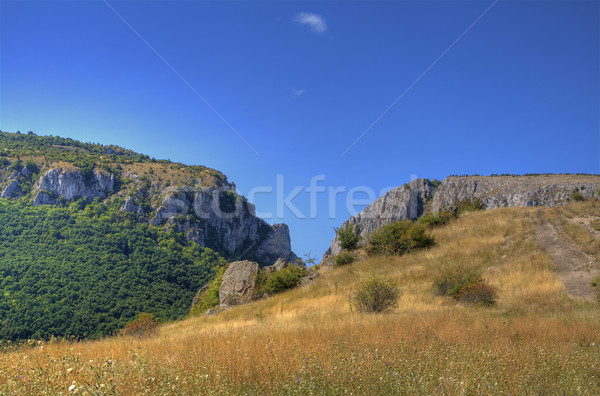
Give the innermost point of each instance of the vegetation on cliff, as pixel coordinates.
(86, 271)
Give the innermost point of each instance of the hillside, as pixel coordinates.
(421, 196)
(534, 340)
(92, 235)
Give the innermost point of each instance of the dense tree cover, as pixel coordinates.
(87, 270)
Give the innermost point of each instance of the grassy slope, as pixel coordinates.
(307, 341)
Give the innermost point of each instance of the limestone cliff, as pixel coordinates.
(413, 199)
(405, 202)
(194, 200)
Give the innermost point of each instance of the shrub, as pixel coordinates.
(210, 298)
(17, 166)
(375, 294)
(436, 219)
(144, 325)
(348, 237)
(466, 285)
(31, 166)
(478, 293)
(283, 279)
(469, 205)
(453, 280)
(576, 195)
(344, 258)
(399, 238)
(4, 162)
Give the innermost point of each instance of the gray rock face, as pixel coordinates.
(232, 231)
(213, 217)
(238, 283)
(278, 245)
(131, 206)
(406, 202)
(413, 199)
(12, 190)
(505, 191)
(69, 184)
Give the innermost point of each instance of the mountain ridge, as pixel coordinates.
(193, 199)
(420, 196)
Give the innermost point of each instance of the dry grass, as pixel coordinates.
(307, 341)
(578, 213)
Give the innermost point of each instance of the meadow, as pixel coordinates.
(535, 340)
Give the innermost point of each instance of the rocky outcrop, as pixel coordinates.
(214, 217)
(238, 283)
(405, 202)
(12, 190)
(505, 191)
(70, 184)
(131, 206)
(224, 221)
(413, 199)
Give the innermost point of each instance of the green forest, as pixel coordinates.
(86, 270)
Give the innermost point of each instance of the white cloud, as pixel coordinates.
(296, 92)
(315, 22)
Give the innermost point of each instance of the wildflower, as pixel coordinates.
(69, 370)
(72, 388)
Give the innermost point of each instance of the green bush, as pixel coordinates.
(399, 238)
(145, 325)
(283, 279)
(453, 280)
(17, 166)
(466, 285)
(210, 298)
(375, 294)
(344, 258)
(31, 166)
(348, 237)
(478, 293)
(469, 205)
(436, 219)
(576, 195)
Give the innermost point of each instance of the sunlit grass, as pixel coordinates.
(535, 340)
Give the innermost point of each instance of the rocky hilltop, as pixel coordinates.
(419, 196)
(195, 200)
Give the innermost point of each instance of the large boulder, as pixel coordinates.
(238, 283)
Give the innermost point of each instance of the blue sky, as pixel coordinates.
(519, 92)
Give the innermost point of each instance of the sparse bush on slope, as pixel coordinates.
(399, 238)
(348, 237)
(280, 280)
(436, 219)
(466, 285)
(144, 325)
(375, 294)
(469, 205)
(344, 258)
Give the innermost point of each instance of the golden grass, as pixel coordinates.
(308, 341)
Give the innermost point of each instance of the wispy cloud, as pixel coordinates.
(315, 22)
(296, 92)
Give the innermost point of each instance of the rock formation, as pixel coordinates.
(238, 283)
(413, 199)
(70, 184)
(213, 216)
(405, 202)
